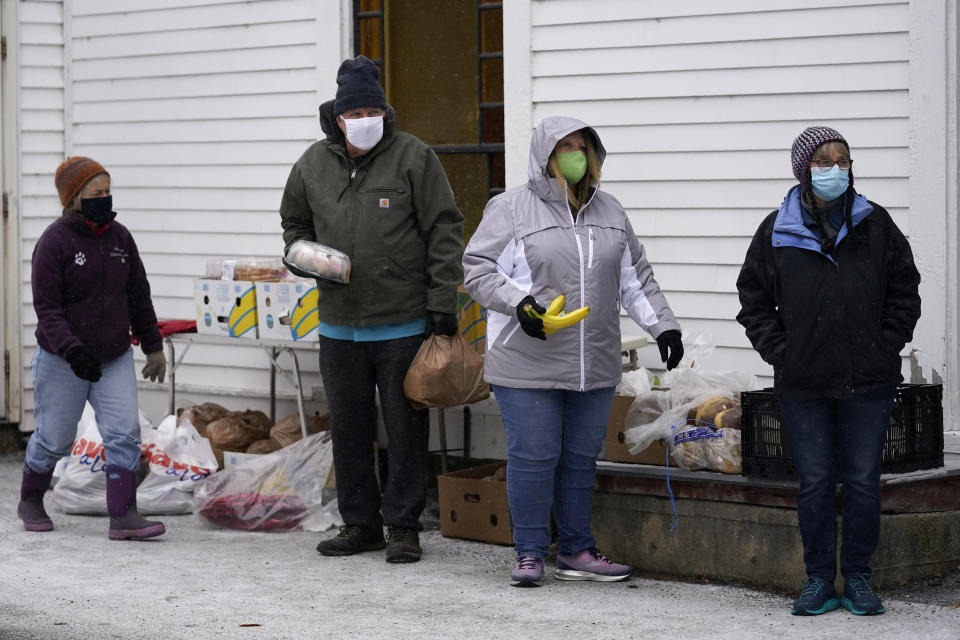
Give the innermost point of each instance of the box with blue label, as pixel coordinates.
(225, 307)
(287, 310)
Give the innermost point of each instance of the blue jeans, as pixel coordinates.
(59, 397)
(838, 439)
(553, 440)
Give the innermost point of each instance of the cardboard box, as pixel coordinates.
(225, 307)
(615, 447)
(287, 310)
(474, 507)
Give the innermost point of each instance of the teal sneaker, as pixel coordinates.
(859, 598)
(816, 596)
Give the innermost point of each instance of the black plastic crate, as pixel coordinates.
(914, 436)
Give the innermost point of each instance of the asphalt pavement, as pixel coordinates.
(196, 582)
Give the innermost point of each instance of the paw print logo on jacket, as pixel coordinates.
(80, 258)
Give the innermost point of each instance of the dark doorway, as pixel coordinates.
(442, 69)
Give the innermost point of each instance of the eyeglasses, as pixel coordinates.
(827, 164)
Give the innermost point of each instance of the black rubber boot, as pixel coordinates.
(125, 522)
(30, 509)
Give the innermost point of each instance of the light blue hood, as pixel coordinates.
(789, 230)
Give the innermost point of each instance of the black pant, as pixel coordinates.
(351, 371)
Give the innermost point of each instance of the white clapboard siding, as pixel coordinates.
(698, 102)
(198, 108)
(41, 150)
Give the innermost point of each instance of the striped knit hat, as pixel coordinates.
(73, 175)
(803, 148)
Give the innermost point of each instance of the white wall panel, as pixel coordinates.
(698, 102)
(40, 52)
(198, 108)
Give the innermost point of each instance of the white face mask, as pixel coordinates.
(364, 133)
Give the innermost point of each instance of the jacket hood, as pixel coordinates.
(328, 123)
(545, 138)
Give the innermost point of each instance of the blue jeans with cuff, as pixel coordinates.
(838, 440)
(59, 397)
(553, 440)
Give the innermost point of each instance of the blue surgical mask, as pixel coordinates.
(829, 184)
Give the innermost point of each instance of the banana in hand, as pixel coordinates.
(555, 318)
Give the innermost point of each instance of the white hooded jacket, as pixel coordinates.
(528, 243)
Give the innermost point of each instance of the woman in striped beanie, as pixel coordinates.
(89, 291)
(829, 297)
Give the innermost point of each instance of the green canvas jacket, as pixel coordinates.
(391, 211)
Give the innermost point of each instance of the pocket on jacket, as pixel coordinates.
(803, 364)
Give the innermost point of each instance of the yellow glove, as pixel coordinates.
(156, 367)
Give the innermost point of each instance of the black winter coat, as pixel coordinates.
(831, 329)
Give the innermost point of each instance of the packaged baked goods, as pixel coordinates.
(707, 411)
(214, 269)
(701, 447)
(728, 418)
(244, 269)
(314, 260)
(257, 269)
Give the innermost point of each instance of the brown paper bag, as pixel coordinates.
(446, 372)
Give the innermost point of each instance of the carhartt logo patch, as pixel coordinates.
(384, 203)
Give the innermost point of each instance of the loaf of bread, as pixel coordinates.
(728, 418)
(708, 410)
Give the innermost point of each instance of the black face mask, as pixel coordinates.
(98, 210)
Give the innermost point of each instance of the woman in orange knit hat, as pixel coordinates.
(89, 291)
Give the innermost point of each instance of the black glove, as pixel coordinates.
(533, 327)
(670, 341)
(442, 324)
(83, 363)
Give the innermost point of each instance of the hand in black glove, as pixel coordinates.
(442, 324)
(531, 326)
(669, 341)
(83, 363)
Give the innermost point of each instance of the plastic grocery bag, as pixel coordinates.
(81, 480)
(446, 372)
(689, 388)
(177, 459)
(700, 447)
(634, 383)
(279, 491)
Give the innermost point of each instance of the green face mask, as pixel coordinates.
(573, 165)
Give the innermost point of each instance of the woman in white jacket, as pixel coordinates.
(560, 234)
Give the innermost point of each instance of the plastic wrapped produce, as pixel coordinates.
(312, 260)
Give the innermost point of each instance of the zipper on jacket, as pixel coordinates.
(576, 236)
(103, 291)
(355, 191)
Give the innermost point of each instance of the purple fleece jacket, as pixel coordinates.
(91, 290)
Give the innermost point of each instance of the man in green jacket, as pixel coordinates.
(380, 196)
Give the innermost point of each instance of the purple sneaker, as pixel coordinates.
(591, 565)
(528, 572)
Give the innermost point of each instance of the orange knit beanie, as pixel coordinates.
(73, 175)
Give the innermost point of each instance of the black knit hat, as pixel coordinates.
(803, 147)
(358, 86)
